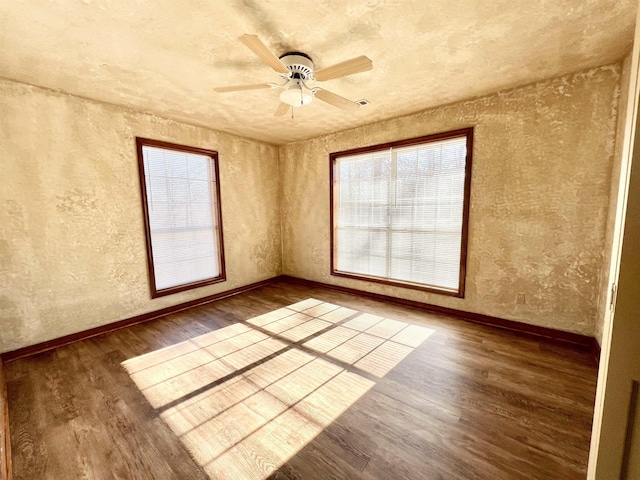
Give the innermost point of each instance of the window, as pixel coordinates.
(181, 204)
(399, 212)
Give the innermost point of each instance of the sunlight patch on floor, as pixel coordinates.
(245, 398)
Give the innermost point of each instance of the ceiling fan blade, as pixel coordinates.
(342, 69)
(336, 100)
(260, 49)
(237, 88)
(282, 109)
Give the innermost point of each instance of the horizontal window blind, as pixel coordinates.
(398, 213)
(182, 215)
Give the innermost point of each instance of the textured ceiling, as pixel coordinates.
(165, 56)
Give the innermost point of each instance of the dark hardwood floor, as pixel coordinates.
(242, 388)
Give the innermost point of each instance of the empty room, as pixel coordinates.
(332, 240)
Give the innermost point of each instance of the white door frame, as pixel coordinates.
(614, 270)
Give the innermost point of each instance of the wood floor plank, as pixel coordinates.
(295, 382)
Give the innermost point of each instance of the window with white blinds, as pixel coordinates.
(181, 201)
(400, 210)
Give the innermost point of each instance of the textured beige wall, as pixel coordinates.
(72, 245)
(542, 164)
(603, 297)
(72, 242)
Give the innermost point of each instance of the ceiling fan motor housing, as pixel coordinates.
(299, 64)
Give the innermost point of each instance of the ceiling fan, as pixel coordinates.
(295, 70)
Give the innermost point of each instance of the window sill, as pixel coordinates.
(400, 284)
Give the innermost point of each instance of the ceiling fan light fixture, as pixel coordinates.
(296, 96)
(295, 69)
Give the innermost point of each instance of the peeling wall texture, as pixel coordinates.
(72, 244)
(542, 163)
(603, 297)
